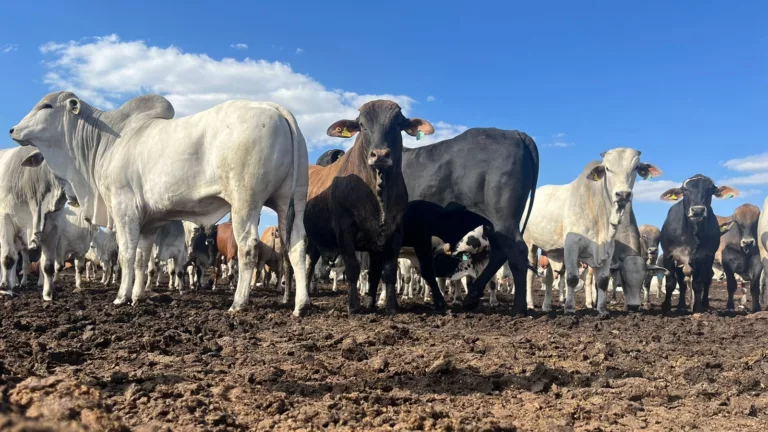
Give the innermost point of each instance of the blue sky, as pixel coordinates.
(685, 83)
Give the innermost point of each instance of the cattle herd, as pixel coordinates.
(138, 193)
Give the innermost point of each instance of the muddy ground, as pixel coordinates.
(181, 362)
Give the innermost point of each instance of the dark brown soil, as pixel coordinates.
(182, 362)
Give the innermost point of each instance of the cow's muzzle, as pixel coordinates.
(623, 198)
(747, 244)
(380, 158)
(697, 213)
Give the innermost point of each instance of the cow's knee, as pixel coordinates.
(8, 261)
(49, 269)
(60, 268)
(572, 279)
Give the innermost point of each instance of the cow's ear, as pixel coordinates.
(73, 105)
(597, 173)
(344, 129)
(673, 194)
(726, 192)
(654, 269)
(726, 226)
(35, 159)
(415, 125)
(648, 171)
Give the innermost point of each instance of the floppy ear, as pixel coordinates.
(726, 192)
(414, 126)
(726, 226)
(35, 159)
(673, 194)
(597, 173)
(73, 105)
(648, 171)
(344, 129)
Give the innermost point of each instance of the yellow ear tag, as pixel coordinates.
(724, 228)
(673, 197)
(345, 133)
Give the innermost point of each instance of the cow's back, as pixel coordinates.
(486, 169)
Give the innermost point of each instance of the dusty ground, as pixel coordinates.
(181, 362)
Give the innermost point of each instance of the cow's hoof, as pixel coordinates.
(603, 315)
(120, 301)
(47, 298)
(78, 290)
(546, 308)
(569, 311)
(439, 306)
(6, 292)
(235, 309)
(301, 310)
(493, 303)
(391, 310)
(471, 302)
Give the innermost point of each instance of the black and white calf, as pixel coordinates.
(689, 239)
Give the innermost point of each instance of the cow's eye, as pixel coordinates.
(46, 106)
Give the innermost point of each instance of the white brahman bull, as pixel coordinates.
(136, 167)
(578, 221)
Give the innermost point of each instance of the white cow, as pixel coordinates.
(27, 195)
(577, 222)
(66, 235)
(136, 167)
(171, 248)
(103, 252)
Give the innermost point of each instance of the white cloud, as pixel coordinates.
(651, 190)
(559, 140)
(240, 46)
(752, 179)
(106, 71)
(299, 51)
(749, 163)
(430, 98)
(4, 49)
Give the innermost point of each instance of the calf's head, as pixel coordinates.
(743, 224)
(697, 193)
(649, 241)
(380, 124)
(619, 170)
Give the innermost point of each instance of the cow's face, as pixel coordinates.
(52, 117)
(744, 221)
(650, 236)
(620, 168)
(380, 124)
(697, 193)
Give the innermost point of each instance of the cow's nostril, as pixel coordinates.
(11, 131)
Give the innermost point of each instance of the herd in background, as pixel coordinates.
(138, 193)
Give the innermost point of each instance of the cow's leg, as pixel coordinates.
(128, 240)
(495, 261)
(423, 249)
(89, 271)
(24, 266)
(143, 256)
(311, 259)
(682, 286)
(702, 278)
(647, 290)
(547, 282)
(9, 256)
(755, 275)
(731, 283)
(374, 277)
(79, 269)
(589, 288)
(47, 271)
(602, 274)
(532, 264)
(151, 270)
(764, 283)
(492, 300)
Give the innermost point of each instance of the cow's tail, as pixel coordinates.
(295, 140)
(534, 155)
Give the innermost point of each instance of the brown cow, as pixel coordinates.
(739, 253)
(269, 261)
(227, 246)
(357, 203)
